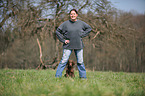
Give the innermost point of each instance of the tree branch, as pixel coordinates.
(84, 5)
(40, 51)
(7, 17)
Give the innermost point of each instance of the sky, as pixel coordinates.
(130, 5)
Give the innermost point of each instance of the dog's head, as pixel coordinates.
(71, 63)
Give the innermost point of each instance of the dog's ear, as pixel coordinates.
(68, 62)
(73, 63)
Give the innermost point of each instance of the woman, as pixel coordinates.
(70, 33)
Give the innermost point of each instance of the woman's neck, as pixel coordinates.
(73, 20)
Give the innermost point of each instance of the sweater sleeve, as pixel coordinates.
(59, 33)
(86, 29)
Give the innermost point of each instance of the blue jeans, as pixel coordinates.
(65, 58)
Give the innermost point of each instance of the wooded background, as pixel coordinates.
(116, 43)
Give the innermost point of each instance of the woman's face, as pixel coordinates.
(73, 15)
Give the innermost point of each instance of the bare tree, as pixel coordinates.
(116, 42)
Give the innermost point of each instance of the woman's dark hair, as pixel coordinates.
(73, 10)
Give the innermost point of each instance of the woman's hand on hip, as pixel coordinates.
(66, 41)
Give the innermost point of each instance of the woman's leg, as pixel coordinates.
(63, 62)
(80, 63)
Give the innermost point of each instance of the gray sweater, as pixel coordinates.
(73, 31)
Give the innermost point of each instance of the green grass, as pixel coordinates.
(44, 83)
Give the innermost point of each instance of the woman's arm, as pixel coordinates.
(60, 35)
(86, 30)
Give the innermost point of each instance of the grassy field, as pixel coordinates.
(44, 83)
